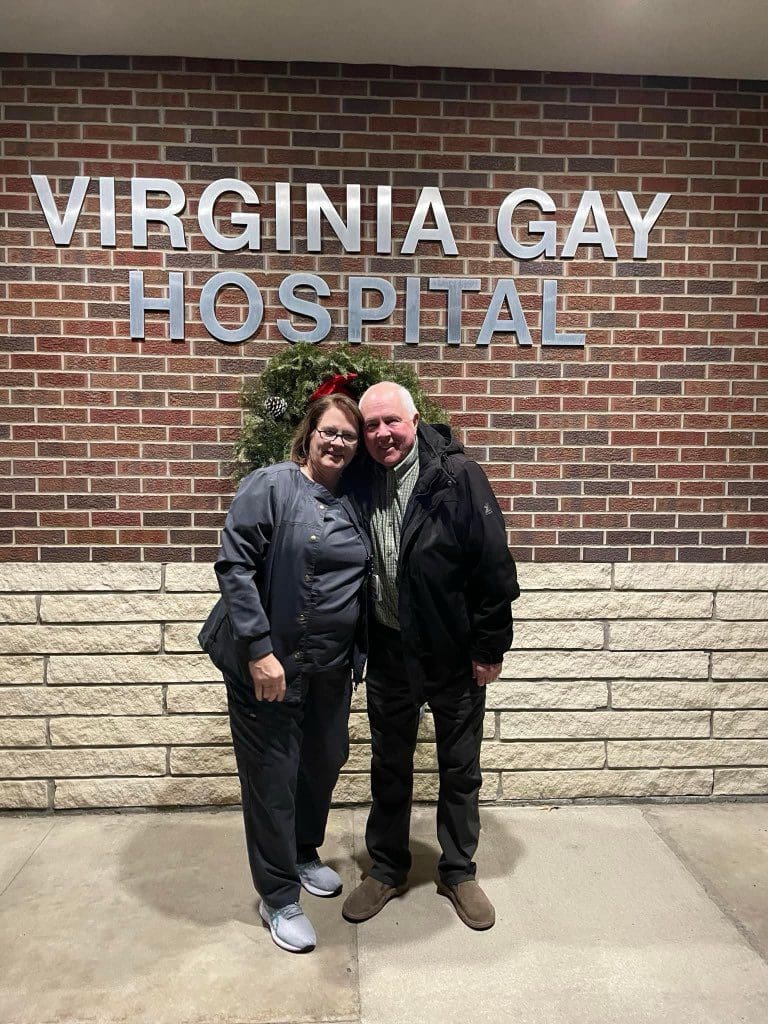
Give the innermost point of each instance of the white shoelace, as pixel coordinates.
(317, 863)
(292, 910)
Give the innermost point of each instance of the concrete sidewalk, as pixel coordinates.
(605, 915)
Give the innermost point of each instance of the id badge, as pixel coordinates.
(375, 587)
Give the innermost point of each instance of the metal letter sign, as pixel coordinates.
(429, 225)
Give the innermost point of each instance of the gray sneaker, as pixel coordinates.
(319, 879)
(289, 926)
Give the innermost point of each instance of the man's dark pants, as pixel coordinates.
(393, 710)
(289, 756)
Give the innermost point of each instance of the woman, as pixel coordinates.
(288, 635)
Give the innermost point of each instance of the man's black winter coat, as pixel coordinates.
(456, 576)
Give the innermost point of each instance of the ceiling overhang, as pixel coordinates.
(700, 38)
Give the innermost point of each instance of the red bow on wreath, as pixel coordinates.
(336, 384)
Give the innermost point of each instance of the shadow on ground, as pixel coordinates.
(190, 868)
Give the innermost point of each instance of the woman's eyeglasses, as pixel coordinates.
(331, 435)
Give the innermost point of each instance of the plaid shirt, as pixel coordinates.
(391, 490)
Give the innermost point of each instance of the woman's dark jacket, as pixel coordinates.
(266, 576)
(456, 576)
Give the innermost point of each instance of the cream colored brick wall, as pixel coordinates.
(625, 681)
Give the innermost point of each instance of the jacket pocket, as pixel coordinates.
(218, 642)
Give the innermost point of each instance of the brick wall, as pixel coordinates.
(625, 681)
(647, 445)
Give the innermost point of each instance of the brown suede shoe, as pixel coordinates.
(472, 905)
(369, 898)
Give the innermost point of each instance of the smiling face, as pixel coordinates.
(390, 430)
(328, 458)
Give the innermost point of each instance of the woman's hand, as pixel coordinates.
(268, 678)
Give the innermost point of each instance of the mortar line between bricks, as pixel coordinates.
(29, 858)
(307, 1020)
(310, 1020)
(709, 890)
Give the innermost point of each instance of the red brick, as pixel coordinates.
(674, 360)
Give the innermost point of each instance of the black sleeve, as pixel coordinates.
(492, 577)
(244, 543)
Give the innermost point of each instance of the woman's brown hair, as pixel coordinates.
(300, 442)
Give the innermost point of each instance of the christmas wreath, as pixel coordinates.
(276, 402)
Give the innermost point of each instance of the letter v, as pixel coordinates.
(61, 230)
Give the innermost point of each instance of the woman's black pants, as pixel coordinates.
(288, 758)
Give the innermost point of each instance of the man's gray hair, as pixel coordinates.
(405, 395)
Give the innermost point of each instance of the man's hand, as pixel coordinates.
(268, 678)
(483, 674)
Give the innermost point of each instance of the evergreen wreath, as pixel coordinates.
(276, 402)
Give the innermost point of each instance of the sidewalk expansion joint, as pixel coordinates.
(16, 874)
(707, 888)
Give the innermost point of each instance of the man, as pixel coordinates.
(441, 624)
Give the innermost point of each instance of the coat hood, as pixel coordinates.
(436, 443)
(439, 438)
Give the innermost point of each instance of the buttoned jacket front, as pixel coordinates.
(266, 574)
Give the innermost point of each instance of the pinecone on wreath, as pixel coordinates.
(275, 407)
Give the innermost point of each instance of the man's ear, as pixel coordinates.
(416, 419)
